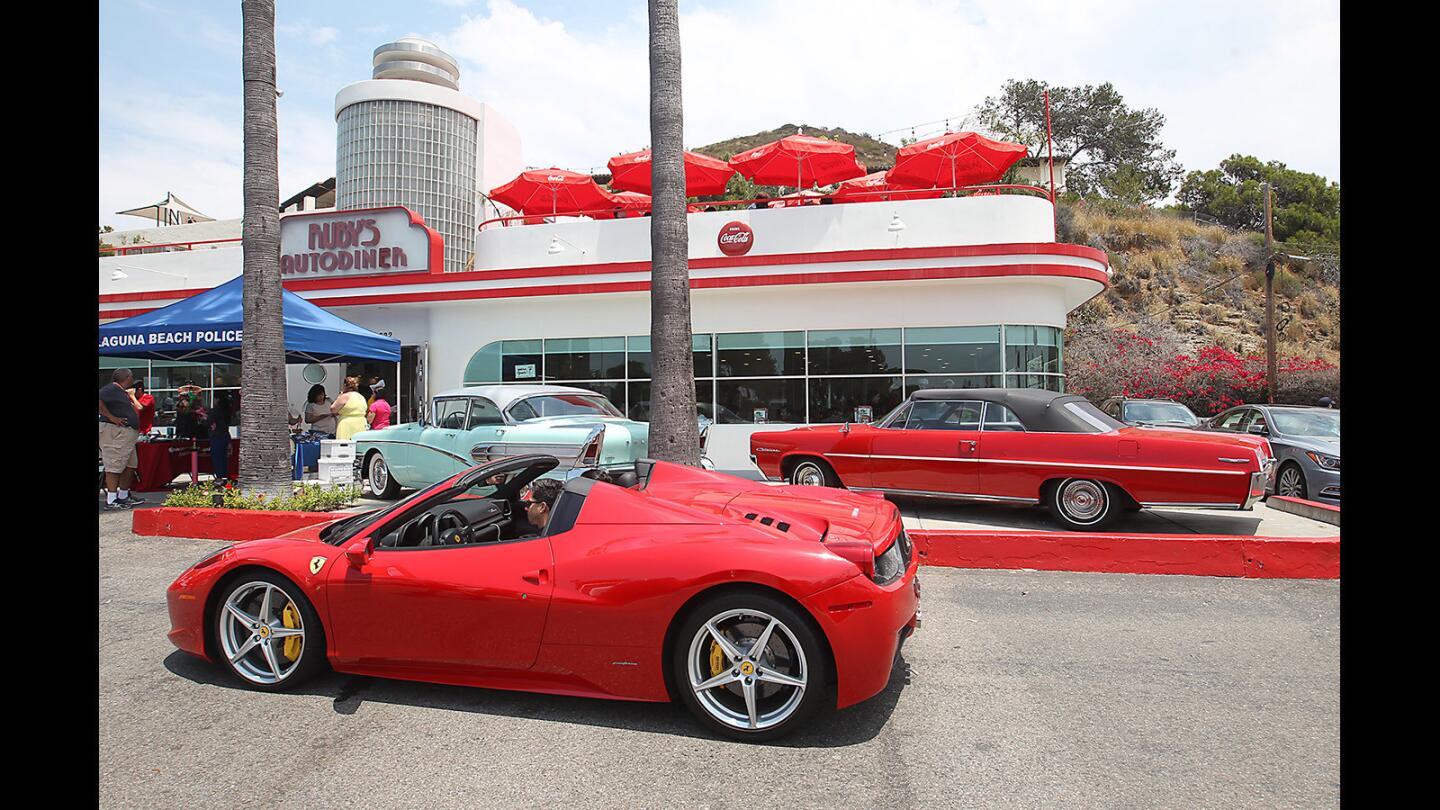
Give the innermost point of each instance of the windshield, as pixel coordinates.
(1172, 413)
(1316, 424)
(562, 405)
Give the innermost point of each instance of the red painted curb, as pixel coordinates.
(1315, 510)
(1195, 555)
(222, 524)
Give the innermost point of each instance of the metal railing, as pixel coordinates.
(165, 247)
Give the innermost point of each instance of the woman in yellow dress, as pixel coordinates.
(350, 407)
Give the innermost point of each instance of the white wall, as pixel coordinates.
(989, 220)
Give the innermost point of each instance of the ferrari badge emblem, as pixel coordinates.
(316, 563)
(747, 668)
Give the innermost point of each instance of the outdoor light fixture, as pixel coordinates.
(118, 275)
(896, 224)
(557, 247)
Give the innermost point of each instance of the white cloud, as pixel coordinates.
(315, 35)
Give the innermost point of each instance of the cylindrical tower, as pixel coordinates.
(409, 137)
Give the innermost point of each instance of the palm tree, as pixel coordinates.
(674, 434)
(264, 449)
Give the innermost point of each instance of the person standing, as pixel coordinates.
(221, 417)
(119, 425)
(350, 408)
(318, 412)
(379, 414)
(144, 406)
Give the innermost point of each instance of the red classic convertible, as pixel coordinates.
(755, 605)
(1022, 446)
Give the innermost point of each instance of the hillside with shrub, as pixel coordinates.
(1184, 315)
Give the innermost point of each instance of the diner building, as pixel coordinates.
(802, 314)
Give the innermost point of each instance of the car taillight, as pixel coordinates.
(862, 554)
(590, 453)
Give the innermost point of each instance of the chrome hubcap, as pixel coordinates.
(1290, 482)
(379, 475)
(762, 670)
(1083, 500)
(809, 475)
(253, 632)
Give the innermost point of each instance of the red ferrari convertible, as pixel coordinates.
(1014, 445)
(755, 605)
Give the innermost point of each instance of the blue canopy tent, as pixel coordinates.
(206, 328)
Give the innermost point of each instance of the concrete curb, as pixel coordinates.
(1195, 555)
(222, 524)
(1315, 510)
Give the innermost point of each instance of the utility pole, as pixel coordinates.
(1269, 303)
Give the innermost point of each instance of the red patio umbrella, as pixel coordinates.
(551, 192)
(959, 158)
(802, 158)
(626, 201)
(869, 188)
(703, 174)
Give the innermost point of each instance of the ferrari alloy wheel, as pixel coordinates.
(381, 482)
(749, 666)
(812, 473)
(267, 633)
(1082, 504)
(1290, 482)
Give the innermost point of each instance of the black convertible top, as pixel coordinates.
(1039, 410)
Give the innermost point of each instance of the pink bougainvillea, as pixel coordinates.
(1132, 365)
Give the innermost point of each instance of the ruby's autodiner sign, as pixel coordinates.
(374, 241)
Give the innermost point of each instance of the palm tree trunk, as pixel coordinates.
(264, 445)
(674, 434)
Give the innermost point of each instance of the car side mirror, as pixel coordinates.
(845, 428)
(360, 550)
(1259, 430)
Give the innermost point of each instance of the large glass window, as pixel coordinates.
(934, 414)
(1035, 349)
(952, 350)
(760, 354)
(748, 401)
(835, 399)
(640, 407)
(915, 383)
(585, 358)
(854, 351)
(520, 360)
(831, 372)
(639, 361)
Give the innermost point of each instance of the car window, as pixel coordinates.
(1320, 424)
(1257, 418)
(944, 415)
(1160, 413)
(1000, 418)
(562, 405)
(1232, 420)
(450, 413)
(484, 412)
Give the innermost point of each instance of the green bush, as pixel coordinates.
(302, 498)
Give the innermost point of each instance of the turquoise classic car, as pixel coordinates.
(476, 425)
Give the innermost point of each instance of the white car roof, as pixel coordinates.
(504, 395)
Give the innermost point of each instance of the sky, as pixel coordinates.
(1257, 77)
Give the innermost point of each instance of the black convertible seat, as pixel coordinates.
(567, 506)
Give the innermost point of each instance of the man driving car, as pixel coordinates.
(539, 499)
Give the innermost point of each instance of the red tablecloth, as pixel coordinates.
(162, 461)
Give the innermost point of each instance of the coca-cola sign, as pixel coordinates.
(735, 239)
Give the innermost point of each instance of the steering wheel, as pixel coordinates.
(452, 518)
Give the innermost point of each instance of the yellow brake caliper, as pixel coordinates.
(290, 617)
(717, 659)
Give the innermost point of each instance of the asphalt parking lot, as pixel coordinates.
(1023, 689)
